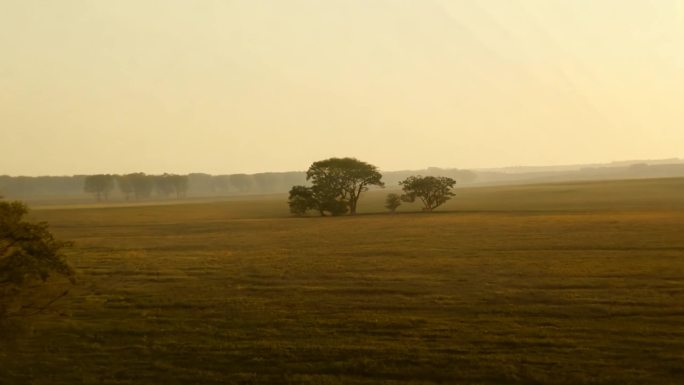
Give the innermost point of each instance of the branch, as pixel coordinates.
(9, 245)
(42, 308)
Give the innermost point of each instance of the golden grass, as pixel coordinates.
(564, 286)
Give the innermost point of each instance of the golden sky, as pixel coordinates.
(249, 86)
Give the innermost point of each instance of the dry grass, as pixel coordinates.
(565, 287)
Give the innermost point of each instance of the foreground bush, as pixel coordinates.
(29, 254)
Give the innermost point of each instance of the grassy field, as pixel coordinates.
(575, 283)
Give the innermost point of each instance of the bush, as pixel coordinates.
(392, 202)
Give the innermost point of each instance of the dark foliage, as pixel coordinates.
(433, 191)
(337, 184)
(28, 253)
(100, 185)
(392, 202)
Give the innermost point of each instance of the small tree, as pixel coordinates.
(28, 253)
(180, 185)
(301, 200)
(142, 184)
(100, 185)
(163, 185)
(220, 184)
(431, 190)
(392, 202)
(125, 185)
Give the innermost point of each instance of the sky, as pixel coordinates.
(255, 85)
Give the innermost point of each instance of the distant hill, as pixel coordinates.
(635, 169)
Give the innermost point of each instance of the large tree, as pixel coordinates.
(344, 179)
(433, 191)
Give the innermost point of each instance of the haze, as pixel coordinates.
(249, 86)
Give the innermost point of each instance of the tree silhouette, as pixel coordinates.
(28, 253)
(342, 180)
(100, 185)
(433, 191)
(392, 202)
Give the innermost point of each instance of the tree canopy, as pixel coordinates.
(347, 177)
(28, 252)
(433, 191)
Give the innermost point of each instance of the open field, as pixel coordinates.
(574, 283)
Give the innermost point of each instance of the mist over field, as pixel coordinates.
(341, 192)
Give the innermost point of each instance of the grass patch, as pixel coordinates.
(543, 292)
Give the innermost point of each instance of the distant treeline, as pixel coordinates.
(200, 185)
(137, 185)
(144, 186)
(140, 186)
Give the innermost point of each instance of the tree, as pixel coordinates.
(266, 182)
(433, 191)
(100, 185)
(168, 184)
(392, 202)
(241, 182)
(125, 185)
(301, 200)
(202, 184)
(142, 184)
(180, 185)
(342, 180)
(28, 253)
(219, 184)
(163, 185)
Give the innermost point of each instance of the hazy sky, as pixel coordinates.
(248, 86)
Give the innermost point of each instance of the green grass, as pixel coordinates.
(549, 284)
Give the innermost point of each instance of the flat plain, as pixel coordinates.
(568, 283)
